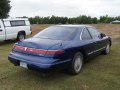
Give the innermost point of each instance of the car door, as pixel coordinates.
(99, 44)
(89, 44)
(2, 31)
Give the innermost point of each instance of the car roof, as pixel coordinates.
(74, 25)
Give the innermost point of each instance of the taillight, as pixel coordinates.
(16, 47)
(37, 51)
(55, 52)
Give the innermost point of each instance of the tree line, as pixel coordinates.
(82, 19)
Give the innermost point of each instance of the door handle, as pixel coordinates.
(1, 30)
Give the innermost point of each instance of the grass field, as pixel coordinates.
(101, 73)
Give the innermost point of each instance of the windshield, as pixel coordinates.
(58, 33)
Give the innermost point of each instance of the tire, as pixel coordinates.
(20, 37)
(107, 49)
(76, 64)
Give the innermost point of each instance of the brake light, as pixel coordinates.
(37, 51)
(19, 48)
(55, 52)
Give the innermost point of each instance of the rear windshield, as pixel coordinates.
(58, 33)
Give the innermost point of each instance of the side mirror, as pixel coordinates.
(102, 35)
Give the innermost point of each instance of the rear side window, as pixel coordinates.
(86, 35)
(95, 34)
(18, 23)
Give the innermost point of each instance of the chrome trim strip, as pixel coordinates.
(96, 51)
(81, 33)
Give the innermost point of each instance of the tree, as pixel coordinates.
(82, 19)
(4, 8)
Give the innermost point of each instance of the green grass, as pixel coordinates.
(100, 73)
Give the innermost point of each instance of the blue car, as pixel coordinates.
(60, 47)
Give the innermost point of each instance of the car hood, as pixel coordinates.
(41, 43)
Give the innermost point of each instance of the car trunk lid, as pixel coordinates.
(36, 46)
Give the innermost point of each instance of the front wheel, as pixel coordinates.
(76, 64)
(107, 49)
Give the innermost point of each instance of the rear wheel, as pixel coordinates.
(20, 37)
(76, 64)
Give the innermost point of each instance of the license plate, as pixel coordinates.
(24, 65)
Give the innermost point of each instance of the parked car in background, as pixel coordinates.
(62, 46)
(14, 29)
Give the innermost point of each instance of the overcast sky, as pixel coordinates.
(69, 8)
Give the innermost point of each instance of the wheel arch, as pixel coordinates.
(83, 53)
(22, 31)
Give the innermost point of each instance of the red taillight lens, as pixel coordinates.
(55, 52)
(37, 51)
(19, 48)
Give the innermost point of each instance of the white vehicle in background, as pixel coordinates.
(14, 29)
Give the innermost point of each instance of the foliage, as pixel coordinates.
(4, 8)
(83, 19)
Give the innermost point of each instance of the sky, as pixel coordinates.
(68, 8)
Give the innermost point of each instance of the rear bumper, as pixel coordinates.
(38, 63)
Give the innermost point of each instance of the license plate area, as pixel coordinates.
(23, 64)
